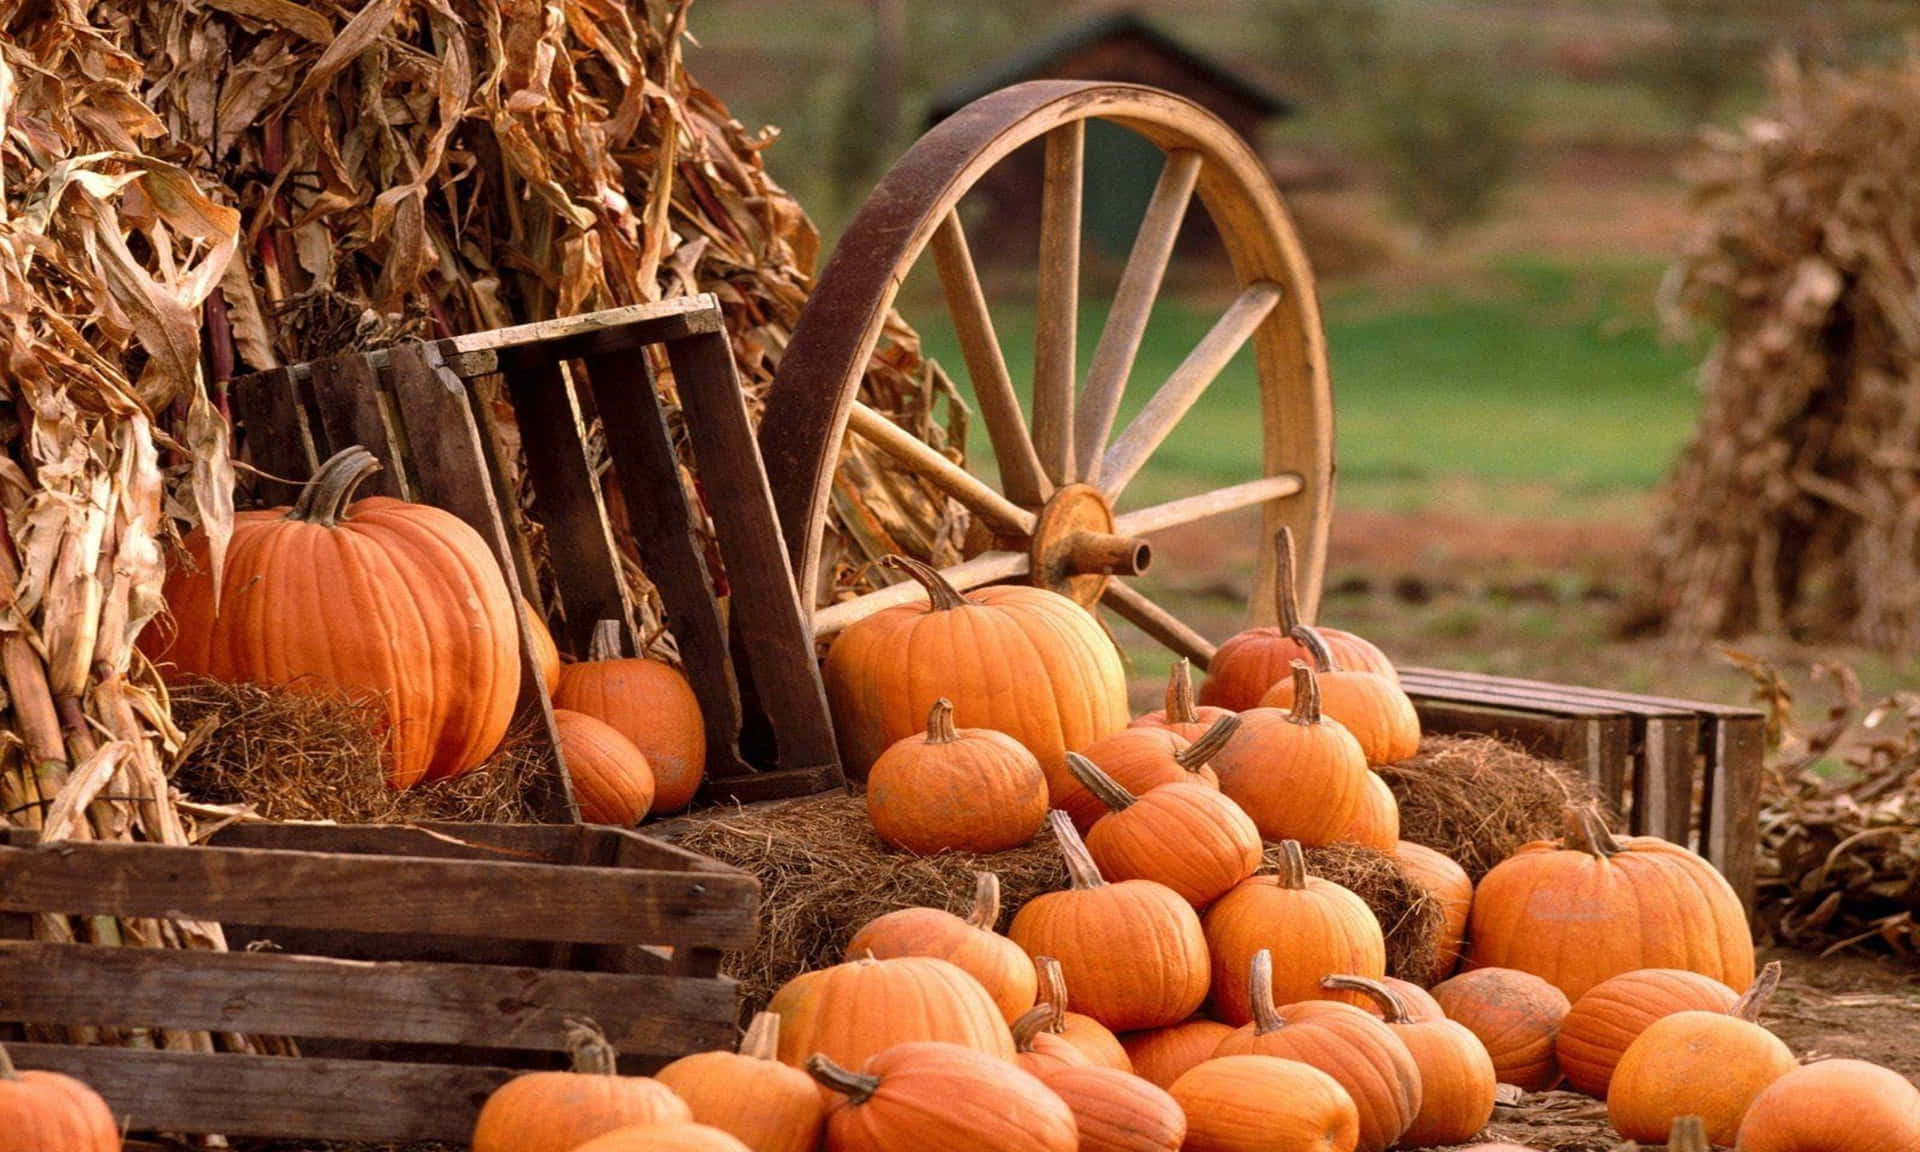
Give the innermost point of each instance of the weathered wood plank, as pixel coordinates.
(1730, 828)
(536, 843)
(605, 333)
(346, 393)
(1606, 731)
(274, 434)
(1558, 738)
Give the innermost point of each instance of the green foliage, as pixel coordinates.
(1331, 46)
(1446, 128)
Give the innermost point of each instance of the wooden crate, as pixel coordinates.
(418, 968)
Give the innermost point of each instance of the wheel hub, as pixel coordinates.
(1074, 548)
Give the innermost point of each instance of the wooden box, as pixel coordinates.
(417, 968)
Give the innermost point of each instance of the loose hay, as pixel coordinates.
(1477, 799)
(1410, 918)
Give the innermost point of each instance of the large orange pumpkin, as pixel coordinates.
(1002, 967)
(400, 602)
(884, 672)
(1142, 759)
(649, 703)
(853, 1010)
(1181, 716)
(956, 790)
(1316, 927)
(612, 781)
(1116, 1112)
(1298, 774)
(49, 1112)
(667, 1138)
(1457, 1080)
(929, 1097)
(1516, 1015)
(1187, 836)
(1094, 1040)
(1614, 1012)
(1833, 1106)
(1133, 951)
(752, 1096)
(1591, 907)
(1448, 883)
(1163, 1055)
(1377, 823)
(1265, 1104)
(1372, 707)
(546, 654)
(559, 1111)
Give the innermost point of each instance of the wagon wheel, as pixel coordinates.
(1053, 522)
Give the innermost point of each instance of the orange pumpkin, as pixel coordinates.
(1516, 1015)
(1591, 907)
(380, 598)
(612, 781)
(1707, 1064)
(1162, 1055)
(1448, 883)
(1415, 1000)
(1457, 1080)
(1318, 927)
(1265, 1104)
(1186, 836)
(1359, 1051)
(1298, 774)
(881, 672)
(1037, 1049)
(1002, 967)
(853, 1010)
(49, 1112)
(1377, 823)
(649, 703)
(1142, 759)
(929, 1097)
(1833, 1106)
(1181, 716)
(666, 1138)
(1094, 1040)
(559, 1111)
(1116, 1112)
(546, 654)
(1614, 1012)
(1133, 951)
(764, 1104)
(1372, 707)
(956, 790)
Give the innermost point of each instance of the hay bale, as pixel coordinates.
(1410, 918)
(1476, 798)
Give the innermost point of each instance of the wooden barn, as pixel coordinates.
(1004, 215)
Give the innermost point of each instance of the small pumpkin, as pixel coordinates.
(1116, 1112)
(1833, 1106)
(1037, 1049)
(1162, 1055)
(1417, 1001)
(648, 702)
(666, 1138)
(1592, 906)
(1142, 759)
(764, 1104)
(1002, 967)
(1614, 1012)
(612, 781)
(1298, 774)
(1516, 1015)
(1374, 708)
(545, 653)
(931, 1097)
(1265, 1104)
(1376, 824)
(1457, 1080)
(1133, 951)
(1094, 1040)
(1361, 1052)
(1320, 928)
(559, 1111)
(853, 1010)
(50, 1112)
(1187, 836)
(1181, 715)
(1707, 1064)
(956, 790)
(1448, 883)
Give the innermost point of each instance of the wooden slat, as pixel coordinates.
(985, 568)
(1736, 746)
(780, 784)
(382, 894)
(274, 433)
(265, 993)
(605, 333)
(550, 843)
(1187, 509)
(1606, 755)
(957, 482)
(1057, 304)
(347, 394)
(1560, 738)
(1158, 623)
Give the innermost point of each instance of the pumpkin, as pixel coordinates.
(1614, 1012)
(956, 790)
(1372, 707)
(1116, 1112)
(1094, 1040)
(1359, 1051)
(1038, 1049)
(1448, 883)
(1186, 836)
(1457, 1080)
(1255, 660)
(1162, 1055)
(545, 653)
(1591, 907)
(1002, 967)
(1133, 951)
(1706, 1064)
(930, 1097)
(612, 781)
(1181, 716)
(1319, 928)
(1142, 759)
(1833, 1106)
(852, 1010)
(1417, 1001)
(667, 1138)
(881, 672)
(1298, 774)
(648, 702)
(381, 598)
(559, 1111)
(1516, 1015)
(1376, 824)
(1265, 1104)
(49, 1112)
(764, 1104)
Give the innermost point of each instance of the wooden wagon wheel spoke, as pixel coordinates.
(986, 568)
(1057, 302)
(956, 481)
(1158, 623)
(1187, 509)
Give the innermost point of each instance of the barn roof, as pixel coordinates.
(1032, 62)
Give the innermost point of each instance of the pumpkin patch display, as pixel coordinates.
(648, 702)
(930, 1097)
(1613, 1013)
(1142, 759)
(1186, 836)
(853, 1010)
(1298, 774)
(1448, 883)
(1094, 1040)
(1374, 708)
(1265, 1104)
(1833, 1106)
(1457, 1080)
(881, 672)
(1517, 1017)
(971, 944)
(766, 1105)
(1162, 1055)
(954, 789)
(612, 781)
(560, 1111)
(1116, 1112)
(49, 1112)
(403, 603)
(1182, 715)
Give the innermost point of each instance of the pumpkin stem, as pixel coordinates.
(1208, 745)
(1587, 832)
(325, 498)
(605, 644)
(1031, 1023)
(1689, 1134)
(986, 901)
(592, 1054)
(1754, 1002)
(1080, 866)
(1266, 1015)
(762, 1041)
(855, 1087)
(943, 596)
(940, 729)
(7, 1071)
(1053, 991)
(1317, 647)
(1291, 865)
(1286, 593)
(1306, 694)
(1105, 788)
(1392, 1007)
(1181, 708)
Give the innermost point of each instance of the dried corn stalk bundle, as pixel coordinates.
(1797, 505)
